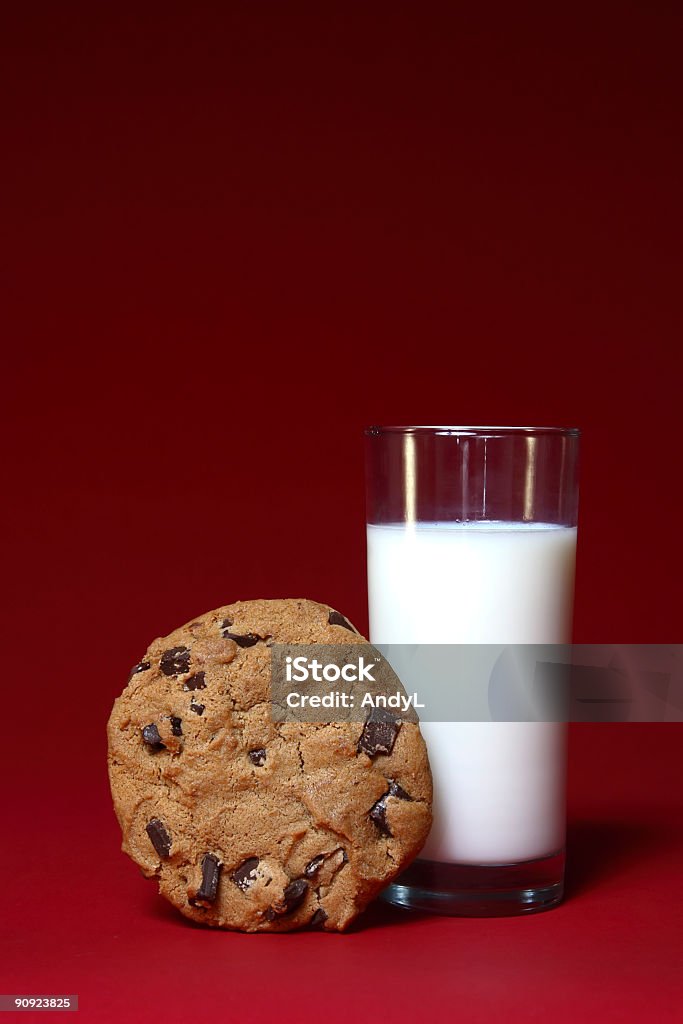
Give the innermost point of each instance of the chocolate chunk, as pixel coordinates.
(378, 811)
(337, 619)
(314, 866)
(175, 661)
(377, 815)
(159, 837)
(176, 726)
(197, 708)
(245, 874)
(226, 624)
(258, 757)
(211, 873)
(195, 682)
(244, 640)
(294, 895)
(150, 735)
(398, 791)
(379, 733)
(141, 666)
(292, 898)
(318, 919)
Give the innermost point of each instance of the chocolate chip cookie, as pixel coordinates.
(253, 824)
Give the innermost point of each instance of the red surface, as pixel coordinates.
(233, 239)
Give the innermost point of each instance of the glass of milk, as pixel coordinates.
(471, 535)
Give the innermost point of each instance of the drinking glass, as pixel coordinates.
(471, 535)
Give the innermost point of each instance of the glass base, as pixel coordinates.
(474, 890)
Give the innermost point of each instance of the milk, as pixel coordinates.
(498, 786)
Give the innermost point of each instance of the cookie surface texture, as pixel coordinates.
(247, 823)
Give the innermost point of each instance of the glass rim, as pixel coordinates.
(475, 431)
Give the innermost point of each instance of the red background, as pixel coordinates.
(234, 235)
